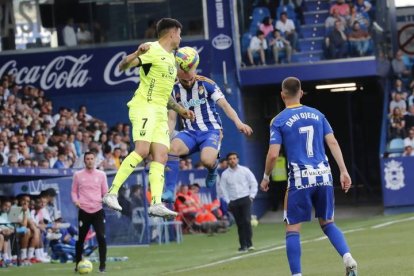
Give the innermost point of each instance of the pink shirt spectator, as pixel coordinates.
(343, 9)
(88, 188)
(266, 29)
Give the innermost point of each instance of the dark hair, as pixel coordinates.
(265, 20)
(165, 24)
(259, 32)
(88, 153)
(230, 154)
(291, 86)
(283, 13)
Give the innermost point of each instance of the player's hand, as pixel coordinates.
(142, 49)
(346, 181)
(264, 185)
(187, 114)
(77, 204)
(245, 129)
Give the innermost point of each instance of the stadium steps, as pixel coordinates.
(315, 17)
(311, 44)
(316, 5)
(308, 56)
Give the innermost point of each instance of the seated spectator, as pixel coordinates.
(266, 26)
(399, 89)
(364, 7)
(332, 18)
(408, 151)
(336, 42)
(359, 40)
(286, 27)
(69, 34)
(258, 45)
(30, 240)
(398, 66)
(398, 102)
(397, 124)
(410, 101)
(61, 162)
(409, 141)
(280, 46)
(6, 232)
(109, 162)
(342, 8)
(183, 165)
(356, 16)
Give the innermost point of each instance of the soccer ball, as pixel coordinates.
(187, 58)
(85, 267)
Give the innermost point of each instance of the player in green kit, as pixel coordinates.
(148, 113)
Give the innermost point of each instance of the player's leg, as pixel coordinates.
(159, 149)
(297, 209)
(143, 124)
(210, 146)
(98, 223)
(324, 211)
(84, 223)
(180, 145)
(293, 248)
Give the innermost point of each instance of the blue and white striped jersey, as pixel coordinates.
(201, 99)
(302, 129)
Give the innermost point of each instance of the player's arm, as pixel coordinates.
(272, 155)
(232, 115)
(132, 60)
(337, 154)
(185, 113)
(172, 120)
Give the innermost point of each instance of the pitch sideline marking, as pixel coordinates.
(283, 247)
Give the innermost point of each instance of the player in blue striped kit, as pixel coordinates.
(200, 95)
(303, 130)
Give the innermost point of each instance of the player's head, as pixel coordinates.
(89, 159)
(291, 89)
(170, 28)
(187, 79)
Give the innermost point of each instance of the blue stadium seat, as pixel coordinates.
(257, 17)
(396, 145)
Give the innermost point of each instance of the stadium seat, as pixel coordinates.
(396, 145)
(257, 17)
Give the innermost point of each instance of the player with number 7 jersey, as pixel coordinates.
(303, 131)
(305, 128)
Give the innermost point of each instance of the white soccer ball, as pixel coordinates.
(187, 58)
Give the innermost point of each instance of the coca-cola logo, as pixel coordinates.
(112, 75)
(62, 72)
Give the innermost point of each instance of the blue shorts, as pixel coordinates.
(196, 140)
(299, 203)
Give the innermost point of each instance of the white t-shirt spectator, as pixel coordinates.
(288, 26)
(401, 104)
(409, 142)
(256, 44)
(69, 36)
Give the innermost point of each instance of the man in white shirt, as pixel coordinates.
(409, 141)
(287, 28)
(69, 34)
(239, 188)
(258, 44)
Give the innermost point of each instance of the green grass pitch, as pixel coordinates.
(382, 245)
